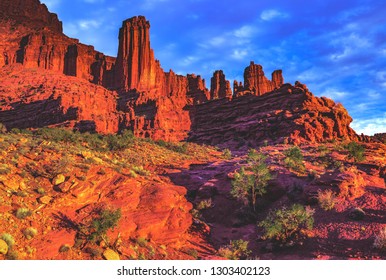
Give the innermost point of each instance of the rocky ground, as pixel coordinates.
(53, 185)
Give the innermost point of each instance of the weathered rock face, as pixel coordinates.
(220, 87)
(30, 13)
(256, 83)
(290, 112)
(31, 98)
(32, 36)
(198, 93)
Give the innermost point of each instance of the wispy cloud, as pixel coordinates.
(370, 126)
(334, 94)
(268, 15)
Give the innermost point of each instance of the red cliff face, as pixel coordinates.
(220, 87)
(32, 98)
(40, 43)
(30, 13)
(256, 83)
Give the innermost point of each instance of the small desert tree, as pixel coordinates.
(286, 224)
(251, 181)
(294, 159)
(95, 230)
(356, 151)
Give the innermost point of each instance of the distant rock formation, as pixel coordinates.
(220, 87)
(290, 113)
(256, 83)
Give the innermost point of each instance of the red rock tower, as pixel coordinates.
(136, 67)
(220, 87)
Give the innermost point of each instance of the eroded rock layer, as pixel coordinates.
(251, 120)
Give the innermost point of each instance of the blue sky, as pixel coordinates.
(337, 48)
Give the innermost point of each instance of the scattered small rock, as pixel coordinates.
(357, 214)
(111, 255)
(45, 199)
(59, 179)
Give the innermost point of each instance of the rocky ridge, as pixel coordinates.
(142, 97)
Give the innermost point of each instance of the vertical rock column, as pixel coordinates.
(136, 66)
(255, 80)
(220, 87)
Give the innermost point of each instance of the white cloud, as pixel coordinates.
(351, 44)
(370, 126)
(245, 31)
(88, 24)
(239, 54)
(271, 14)
(334, 94)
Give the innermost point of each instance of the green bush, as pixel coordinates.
(251, 181)
(356, 151)
(204, 204)
(175, 147)
(98, 227)
(286, 224)
(141, 241)
(23, 213)
(30, 232)
(294, 159)
(8, 238)
(4, 169)
(227, 154)
(236, 250)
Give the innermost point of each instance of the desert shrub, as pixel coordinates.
(57, 135)
(3, 128)
(4, 169)
(117, 142)
(94, 252)
(141, 241)
(140, 170)
(286, 224)
(175, 147)
(204, 204)
(8, 238)
(294, 159)
(236, 250)
(380, 240)
(23, 213)
(323, 150)
(326, 199)
(98, 227)
(227, 154)
(12, 255)
(30, 232)
(356, 151)
(193, 253)
(64, 248)
(251, 182)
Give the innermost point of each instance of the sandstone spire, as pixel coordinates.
(136, 66)
(220, 87)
